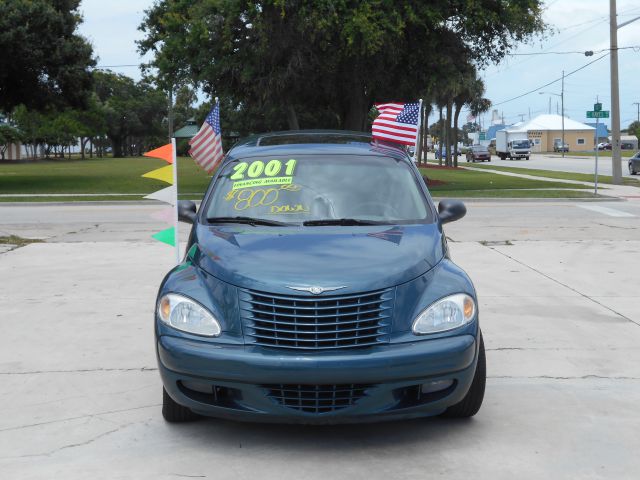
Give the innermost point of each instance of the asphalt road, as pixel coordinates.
(559, 302)
(571, 163)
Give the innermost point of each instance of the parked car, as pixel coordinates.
(478, 153)
(318, 288)
(634, 164)
(604, 146)
(560, 147)
(441, 151)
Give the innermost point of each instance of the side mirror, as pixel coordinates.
(451, 210)
(186, 211)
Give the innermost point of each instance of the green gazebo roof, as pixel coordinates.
(188, 131)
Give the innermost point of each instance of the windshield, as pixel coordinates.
(479, 149)
(315, 187)
(521, 144)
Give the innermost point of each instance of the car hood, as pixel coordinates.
(358, 258)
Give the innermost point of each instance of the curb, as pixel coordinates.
(531, 200)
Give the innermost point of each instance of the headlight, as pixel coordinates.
(184, 314)
(446, 314)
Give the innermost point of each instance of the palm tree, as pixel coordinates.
(478, 104)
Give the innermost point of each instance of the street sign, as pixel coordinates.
(598, 114)
(597, 107)
(483, 136)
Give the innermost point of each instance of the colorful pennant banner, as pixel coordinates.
(166, 195)
(165, 152)
(167, 236)
(164, 174)
(165, 215)
(167, 174)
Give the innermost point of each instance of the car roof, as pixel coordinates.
(314, 142)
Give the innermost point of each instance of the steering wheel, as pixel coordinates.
(383, 208)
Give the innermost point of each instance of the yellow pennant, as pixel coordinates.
(164, 173)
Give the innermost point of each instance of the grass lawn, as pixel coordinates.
(99, 177)
(582, 177)
(507, 193)
(601, 153)
(96, 176)
(468, 183)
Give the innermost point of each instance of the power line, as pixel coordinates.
(597, 21)
(581, 52)
(552, 82)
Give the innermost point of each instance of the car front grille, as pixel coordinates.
(316, 398)
(316, 322)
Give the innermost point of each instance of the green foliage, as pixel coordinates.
(43, 61)
(323, 63)
(634, 129)
(8, 136)
(130, 115)
(183, 105)
(134, 113)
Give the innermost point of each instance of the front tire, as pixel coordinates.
(472, 401)
(174, 412)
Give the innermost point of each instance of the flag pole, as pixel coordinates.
(175, 202)
(415, 150)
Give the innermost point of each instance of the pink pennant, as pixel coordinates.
(164, 215)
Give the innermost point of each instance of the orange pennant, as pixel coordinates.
(164, 152)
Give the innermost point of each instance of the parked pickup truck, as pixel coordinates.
(558, 146)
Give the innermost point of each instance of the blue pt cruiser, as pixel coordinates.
(317, 288)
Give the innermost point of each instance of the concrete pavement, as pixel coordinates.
(559, 303)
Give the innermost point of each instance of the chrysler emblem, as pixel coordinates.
(316, 290)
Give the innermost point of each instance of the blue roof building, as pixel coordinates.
(602, 132)
(491, 131)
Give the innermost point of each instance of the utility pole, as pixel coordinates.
(616, 167)
(170, 113)
(562, 100)
(596, 175)
(637, 104)
(615, 91)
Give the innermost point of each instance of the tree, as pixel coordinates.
(91, 124)
(634, 129)
(183, 107)
(44, 60)
(134, 113)
(319, 63)
(8, 136)
(30, 123)
(470, 91)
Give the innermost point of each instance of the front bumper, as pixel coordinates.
(238, 378)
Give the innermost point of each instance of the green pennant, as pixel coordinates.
(167, 236)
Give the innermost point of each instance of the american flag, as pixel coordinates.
(206, 145)
(397, 122)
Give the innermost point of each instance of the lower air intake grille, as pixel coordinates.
(316, 398)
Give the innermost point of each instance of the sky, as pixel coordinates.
(575, 25)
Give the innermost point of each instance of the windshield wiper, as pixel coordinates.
(249, 221)
(341, 221)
